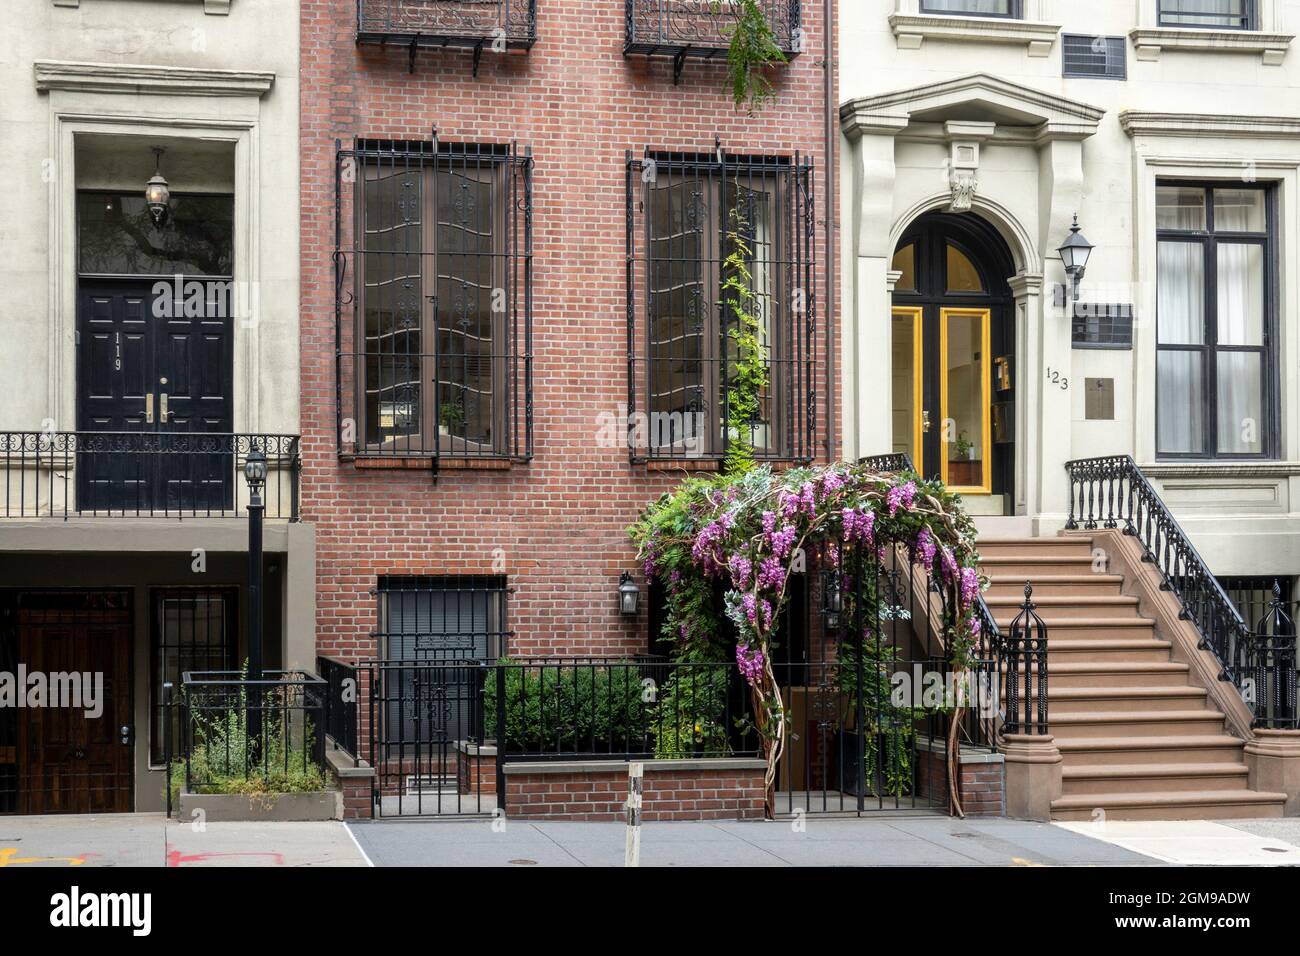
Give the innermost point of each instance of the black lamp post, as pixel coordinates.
(255, 475)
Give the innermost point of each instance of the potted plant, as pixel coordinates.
(450, 417)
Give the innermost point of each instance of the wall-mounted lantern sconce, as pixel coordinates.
(629, 595)
(156, 191)
(1074, 255)
(832, 598)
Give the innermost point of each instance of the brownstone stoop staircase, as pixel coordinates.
(1141, 738)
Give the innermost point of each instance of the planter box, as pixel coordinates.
(280, 807)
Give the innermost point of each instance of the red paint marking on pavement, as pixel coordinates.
(177, 858)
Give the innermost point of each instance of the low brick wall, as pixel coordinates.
(356, 782)
(722, 789)
(981, 782)
(476, 768)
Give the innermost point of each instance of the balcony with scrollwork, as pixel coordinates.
(495, 25)
(703, 28)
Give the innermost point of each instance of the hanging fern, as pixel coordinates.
(753, 48)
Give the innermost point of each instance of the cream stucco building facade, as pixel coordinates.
(146, 353)
(955, 115)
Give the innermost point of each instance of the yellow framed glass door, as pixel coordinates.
(965, 401)
(910, 419)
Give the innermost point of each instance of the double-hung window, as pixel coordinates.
(974, 8)
(720, 305)
(434, 263)
(1208, 14)
(1216, 352)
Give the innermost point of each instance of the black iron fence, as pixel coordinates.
(342, 691)
(702, 28)
(1113, 492)
(433, 300)
(143, 474)
(240, 735)
(720, 246)
(494, 24)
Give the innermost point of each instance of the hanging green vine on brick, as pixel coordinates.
(753, 48)
(749, 378)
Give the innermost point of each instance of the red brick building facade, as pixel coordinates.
(552, 526)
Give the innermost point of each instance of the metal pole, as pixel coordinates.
(635, 778)
(255, 508)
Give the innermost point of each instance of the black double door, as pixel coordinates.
(154, 396)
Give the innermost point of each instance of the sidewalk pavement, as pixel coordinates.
(877, 841)
(150, 840)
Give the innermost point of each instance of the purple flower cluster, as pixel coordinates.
(740, 568)
(707, 550)
(832, 482)
(970, 586)
(901, 495)
(948, 563)
(923, 552)
(783, 540)
(858, 525)
(771, 575)
(756, 611)
(751, 662)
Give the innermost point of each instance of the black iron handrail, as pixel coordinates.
(1111, 492)
(143, 474)
(342, 693)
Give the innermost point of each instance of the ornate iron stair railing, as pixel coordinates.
(1112, 492)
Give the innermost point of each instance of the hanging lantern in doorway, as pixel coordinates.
(156, 191)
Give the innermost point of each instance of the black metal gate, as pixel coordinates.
(424, 738)
(864, 696)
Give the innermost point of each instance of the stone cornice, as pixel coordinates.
(1148, 42)
(1046, 116)
(153, 80)
(911, 30)
(218, 8)
(1221, 469)
(1146, 123)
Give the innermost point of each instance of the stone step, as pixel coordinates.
(1065, 607)
(1148, 778)
(1056, 585)
(1131, 749)
(1135, 723)
(1091, 628)
(1038, 547)
(1169, 805)
(1102, 700)
(1118, 674)
(1110, 651)
(1030, 566)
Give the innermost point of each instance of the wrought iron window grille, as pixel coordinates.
(497, 26)
(683, 29)
(433, 301)
(687, 213)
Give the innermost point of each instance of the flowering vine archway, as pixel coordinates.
(750, 532)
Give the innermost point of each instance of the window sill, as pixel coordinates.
(216, 8)
(389, 463)
(1221, 469)
(912, 30)
(1148, 42)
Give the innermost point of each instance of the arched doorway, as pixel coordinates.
(953, 357)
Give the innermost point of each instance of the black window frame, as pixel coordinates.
(1209, 240)
(413, 280)
(462, 590)
(1250, 19)
(1016, 8)
(789, 296)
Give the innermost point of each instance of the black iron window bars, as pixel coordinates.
(433, 300)
(495, 25)
(695, 223)
(702, 28)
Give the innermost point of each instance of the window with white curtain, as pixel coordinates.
(1217, 14)
(1215, 353)
(973, 8)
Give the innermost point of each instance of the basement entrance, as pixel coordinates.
(68, 747)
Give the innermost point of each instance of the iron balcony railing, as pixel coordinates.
(342, 692)
(1113, 492)
(702, 28)
(478, 24)
(700, 227)
(144, 474)
(433, 301)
